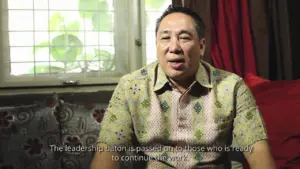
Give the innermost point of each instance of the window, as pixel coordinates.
(53, 42)
(152, 10)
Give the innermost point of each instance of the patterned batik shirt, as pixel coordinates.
(182, 130)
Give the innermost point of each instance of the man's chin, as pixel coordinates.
(176, 75)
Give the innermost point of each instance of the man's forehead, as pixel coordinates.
(177, 22)
(176, 30)
(177, 17)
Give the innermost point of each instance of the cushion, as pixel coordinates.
(27, 133)
(80, 124)
(279, 104)
(252, 80)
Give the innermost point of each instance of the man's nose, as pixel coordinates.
(174, 46)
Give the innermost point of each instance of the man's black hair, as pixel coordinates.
(200, 26)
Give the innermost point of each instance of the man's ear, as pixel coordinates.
(202, 44)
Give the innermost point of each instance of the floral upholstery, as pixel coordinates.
(80, 124)
(26, 133)
(35, 135)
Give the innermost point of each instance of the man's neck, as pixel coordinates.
(182, 85)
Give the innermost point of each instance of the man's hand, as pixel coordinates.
(260, 157)
(103, 159)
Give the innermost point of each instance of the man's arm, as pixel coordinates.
(260, 156)
(113, 131)
(249, 129)
(103, 159)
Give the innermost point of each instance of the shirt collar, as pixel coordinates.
(202, 77)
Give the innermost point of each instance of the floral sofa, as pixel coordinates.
(34, 129)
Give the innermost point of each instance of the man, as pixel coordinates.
(183, 106)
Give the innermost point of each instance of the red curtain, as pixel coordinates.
(231, 42)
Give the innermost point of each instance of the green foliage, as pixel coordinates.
(40, 46)
(74, 26)
(106, 57)
(55, 22)
(97, 13)
(155, 4)
(87, 5)
(102, 21)
(89, 56)
(67, 47)
(91, 5)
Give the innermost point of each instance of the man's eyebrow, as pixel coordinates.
(164, 32)
(185, 31)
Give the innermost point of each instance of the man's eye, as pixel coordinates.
(185, 38)
(165, 38)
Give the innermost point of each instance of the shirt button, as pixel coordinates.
(182, 118)
(182, 125)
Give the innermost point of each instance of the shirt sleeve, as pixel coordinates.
(248, 126)
(116, 127)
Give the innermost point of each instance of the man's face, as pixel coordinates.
(178, 46)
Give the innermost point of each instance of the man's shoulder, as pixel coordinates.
(219, 76)
(228, 76)
(145, 73)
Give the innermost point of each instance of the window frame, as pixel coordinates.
(134, 51)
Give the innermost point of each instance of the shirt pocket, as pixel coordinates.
(224, 131)
(224, 124)
(224, 119)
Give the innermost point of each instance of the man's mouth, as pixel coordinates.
(176, 60)
(176, 64)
